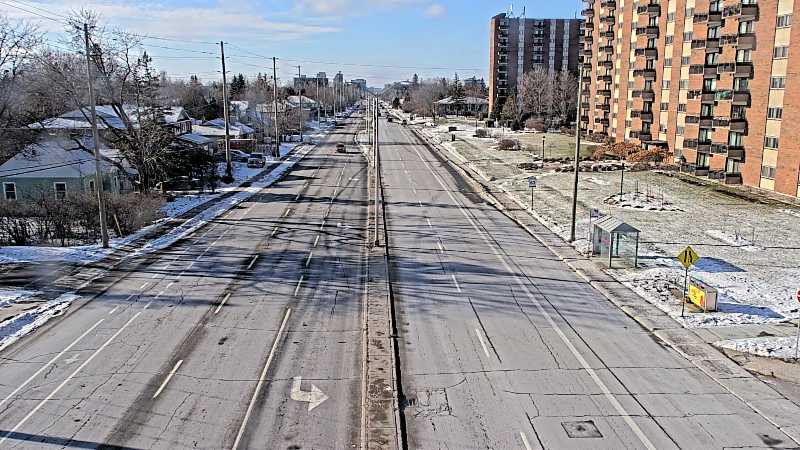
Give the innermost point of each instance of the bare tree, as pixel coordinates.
(536, 92)
(563, 97)
(18, 42)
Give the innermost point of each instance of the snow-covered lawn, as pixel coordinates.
(749, 250)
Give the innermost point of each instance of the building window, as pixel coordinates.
(689, 13)
(679, 131)
(770, 142)
(768, 172)
(734, 139)
(777, 82)
(682, 107)
(683, 84)
(775, 112)
(60, 190)
(702, 160)
(662, 128)
(744, 56)
(746, 27)
(685, 60)
(668, 39)
(667, 62)
(671, 17)
(10, 191)
(687, 36)
(665, 84)
(780, 52)
(784, 21)
(664, 106)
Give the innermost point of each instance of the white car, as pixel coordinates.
(256, 160)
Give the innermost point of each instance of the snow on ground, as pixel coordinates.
(748, 249)
(15, 328)
(9, 296)
(771, 347)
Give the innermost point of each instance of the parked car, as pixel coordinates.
(340, 148)
(256, 160)
(239, 156)
(178, 184)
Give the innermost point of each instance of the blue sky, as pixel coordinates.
(428, 37)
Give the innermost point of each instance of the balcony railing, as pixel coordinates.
(741, 98)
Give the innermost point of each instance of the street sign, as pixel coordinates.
(531, 182)
(798, 295)
(688, 257)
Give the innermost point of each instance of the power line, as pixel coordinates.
(32, 12)
(30, 5)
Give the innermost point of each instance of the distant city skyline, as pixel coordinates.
(379, 40)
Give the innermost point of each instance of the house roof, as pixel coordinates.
(195, 138)
(614, 225)
(56, 158)
(467, 101)
(106, 118)
(294, 101)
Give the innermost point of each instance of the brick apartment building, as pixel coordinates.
(711, 80)
(517, 45)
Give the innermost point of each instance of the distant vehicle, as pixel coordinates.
(389, 119)
(256, 160)
(239, 156)
(405, 122)
(178, 184)
(340, 148)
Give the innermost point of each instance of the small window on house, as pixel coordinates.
(770, 142)
(687, 36)
(681, 107)
(775, 112)
(10, 191)
(671, 17)
(664, 106)
(768, 172)
(780, 52)
(784, 21)
(60, 190)
(777, 82)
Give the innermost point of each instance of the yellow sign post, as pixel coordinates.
(688, 257)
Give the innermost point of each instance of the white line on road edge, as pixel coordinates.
(606, 392)
(308, 260)
(169, 377)
(483, 344)
(525, 441)
(316, 240)
(113, 310)
(51, 362)
(70, 377)
(260, 381)
(250, 266)
(453, 276)
(299, 282)
(222, 303)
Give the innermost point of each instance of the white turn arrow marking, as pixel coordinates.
(314, 397)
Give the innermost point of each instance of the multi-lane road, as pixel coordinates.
(249, 334)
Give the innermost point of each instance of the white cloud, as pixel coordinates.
(436, 10)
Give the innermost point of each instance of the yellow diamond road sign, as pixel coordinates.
(688, 257)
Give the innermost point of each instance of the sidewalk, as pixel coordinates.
(34, 297)
(779, 405)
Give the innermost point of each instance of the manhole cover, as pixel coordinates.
(582, 429)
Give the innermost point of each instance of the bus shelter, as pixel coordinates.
(615, 241)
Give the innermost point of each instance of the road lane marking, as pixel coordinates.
(144, 285)
(113, 310)
(525, 441)
(453, 276)
(297, 288)
(429, 222)
(68, 379)
(316, 240)
(250, 266)
(222, 303)
(322, 225)
(257, 391)
(274, 232)
(483, 344)
(308, 260)
(606, 392)
(441, 249)
(286, 213)
(169, 377)
(51, 362)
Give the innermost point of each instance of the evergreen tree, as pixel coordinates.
(457, 94)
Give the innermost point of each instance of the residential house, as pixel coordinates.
(59, 167)
(469, 106)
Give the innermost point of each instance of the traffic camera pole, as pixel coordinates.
(98, 176)
(226, 116)
(577, 157)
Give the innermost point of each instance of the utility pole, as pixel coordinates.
(98, 176)
(300, 94)
(319, 116)
(577, 154)
(275, 99)
(228, 166)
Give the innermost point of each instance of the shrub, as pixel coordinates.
(508, 144)
(535, 124)
(131, 212)
(481, 133)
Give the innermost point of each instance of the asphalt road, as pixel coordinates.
(502, 346)
(202, 346)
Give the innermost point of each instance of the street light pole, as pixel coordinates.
(275, 100)
(300, 95)
(225, 115)
(577, 155)
(98, 176)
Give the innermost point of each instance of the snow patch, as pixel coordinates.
(770, 347)
(23, 324)
(735, 239)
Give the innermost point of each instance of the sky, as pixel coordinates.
(379, 40)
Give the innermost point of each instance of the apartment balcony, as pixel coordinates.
(588, 52)
(588, 26)
(690, 143)
(738, 125)
(703, 146)
(749, 12)
(712, 45)
(719, 149)
(649, 53)
(604, 92)
(720, 122)
(601, 120)
(647, 74)
(691, 120)
(732, 178)
(586, 79)
(746, 42)
(726, 68)
(708, 97)
(608, 3)
(607, 19)
(649, 31)
(606, 63)
(714, 18)
(589, 12)
(644, 136)
(744, 70)
(706, 122)
(648, 95)
(604, 107)
(729, 39)
(645, 116)
(710, 71)
(605, 78)
(607, 34)
(587, 65)
(698, 43)
(741, 99)
(736, 152)
(585, 119)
